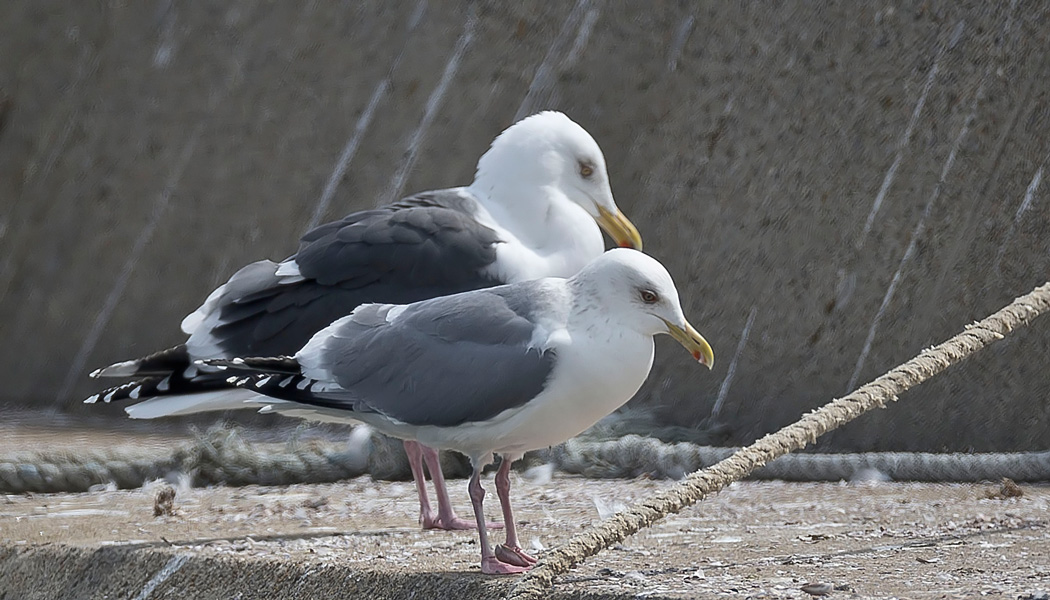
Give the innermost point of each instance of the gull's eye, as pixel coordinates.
(586, 170)
(649, 296)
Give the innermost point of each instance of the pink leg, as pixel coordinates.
(510, 552)
(414, 450)
(446, 518)
(490, 564)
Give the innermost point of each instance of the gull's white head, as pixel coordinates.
(547, 155)
(635, 291)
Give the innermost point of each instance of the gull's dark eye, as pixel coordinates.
(586, 170)
(649, 296)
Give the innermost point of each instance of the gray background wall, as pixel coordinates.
(813, 174)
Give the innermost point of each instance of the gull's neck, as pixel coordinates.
(545, 234)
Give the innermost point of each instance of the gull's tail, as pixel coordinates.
(166, 373)
(278, 385)
(170, 384)
(279, 378)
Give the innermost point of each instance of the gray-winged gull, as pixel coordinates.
(530, 212)
(503, 370)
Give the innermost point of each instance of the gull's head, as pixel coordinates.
(549, 155)
(637, 292)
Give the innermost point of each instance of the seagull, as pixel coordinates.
(502, 370)
(539, 196)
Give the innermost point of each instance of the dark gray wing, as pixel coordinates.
(443, 362)
(425, 246)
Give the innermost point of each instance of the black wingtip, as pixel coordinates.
(284, 365)
(164, 362)
(282, 386)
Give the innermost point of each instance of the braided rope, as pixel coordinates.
(806, 430)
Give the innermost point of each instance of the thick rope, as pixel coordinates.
(633, 456)
(806, 430)
(223, 457)
(220, 457)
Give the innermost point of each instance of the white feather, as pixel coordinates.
(195, 319)
(394, 313)
(120, 369)
(288, 271)
(307, 412)
(167, 406)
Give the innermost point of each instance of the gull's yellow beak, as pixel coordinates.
(619, 228)
(693, 342)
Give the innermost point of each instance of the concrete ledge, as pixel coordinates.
(59, 571)
(357, 539)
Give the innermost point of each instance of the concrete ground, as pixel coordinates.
(359, 539)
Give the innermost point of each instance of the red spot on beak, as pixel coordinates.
(696, 355)
(625, 244)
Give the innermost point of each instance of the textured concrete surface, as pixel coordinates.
(835, 186)
(358, 539)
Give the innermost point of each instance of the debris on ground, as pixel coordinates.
(1007, 489)
(164, 502)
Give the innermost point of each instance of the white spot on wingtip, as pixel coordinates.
(302, 385)
(91, 399)
(286, 381)
(126, 368)
(165, 384)
(289, 272)
(134, 395)
(260, 383)
(394, 313)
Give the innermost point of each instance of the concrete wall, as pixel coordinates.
(813, 174)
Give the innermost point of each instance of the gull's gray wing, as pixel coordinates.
(425, 246)
(443, 362)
